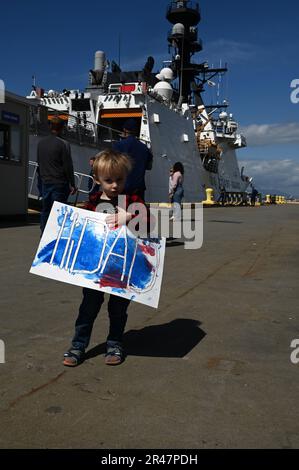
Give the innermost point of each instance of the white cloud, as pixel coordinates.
(274, 175)
(270, 134)
(231, 51)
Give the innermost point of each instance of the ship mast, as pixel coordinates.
(185, 16)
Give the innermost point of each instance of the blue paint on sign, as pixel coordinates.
(109, 258)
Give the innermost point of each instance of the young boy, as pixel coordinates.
(110, 169)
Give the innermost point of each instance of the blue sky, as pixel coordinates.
(259, 40)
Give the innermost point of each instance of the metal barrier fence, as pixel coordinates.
(34, 189)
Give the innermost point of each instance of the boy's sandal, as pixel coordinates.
(73, 357)
(114, 356)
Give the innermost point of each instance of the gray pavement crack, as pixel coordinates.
(35, 390)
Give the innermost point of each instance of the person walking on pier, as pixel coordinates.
(170, 188)
(55, 168)
(222, 197)
(254, 194)
(177, 191)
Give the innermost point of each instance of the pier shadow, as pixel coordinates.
(174, 339)
(171, 242)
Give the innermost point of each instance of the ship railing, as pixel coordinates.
(34, 187)
(240, 140)
(174, 5)
(224, 130)
(77, 130)
(83, 180)
(204, 149)
(192, 36)
(219, 128)
(80, 130)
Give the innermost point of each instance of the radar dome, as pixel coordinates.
(223, 115)
(178, 29)
(165, 74)
(164, 89)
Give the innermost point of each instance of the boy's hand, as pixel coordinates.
(117, 220)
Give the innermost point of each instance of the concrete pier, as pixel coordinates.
(211, 368)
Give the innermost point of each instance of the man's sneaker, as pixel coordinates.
(114, 354)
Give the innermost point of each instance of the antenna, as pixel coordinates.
(226, 86)
(119, 38)
(219, 83)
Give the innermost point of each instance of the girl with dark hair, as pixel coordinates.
(177, 192)
(178, 166)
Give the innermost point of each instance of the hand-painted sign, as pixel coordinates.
(77, 247)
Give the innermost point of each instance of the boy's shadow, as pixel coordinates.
(174, 339)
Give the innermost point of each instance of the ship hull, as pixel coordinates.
(172, 139)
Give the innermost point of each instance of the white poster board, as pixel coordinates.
(77, 247)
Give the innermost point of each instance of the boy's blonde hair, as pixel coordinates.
(111, 163)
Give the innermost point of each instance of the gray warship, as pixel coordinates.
(172, 118)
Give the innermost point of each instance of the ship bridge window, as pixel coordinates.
(114, 88)
(113, 125)
(10, 143)
(81, 104)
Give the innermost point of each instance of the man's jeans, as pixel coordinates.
(89, 309)
(52, 192)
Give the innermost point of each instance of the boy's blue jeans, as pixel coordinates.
(88, 311)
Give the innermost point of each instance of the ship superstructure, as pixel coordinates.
(173, 120)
